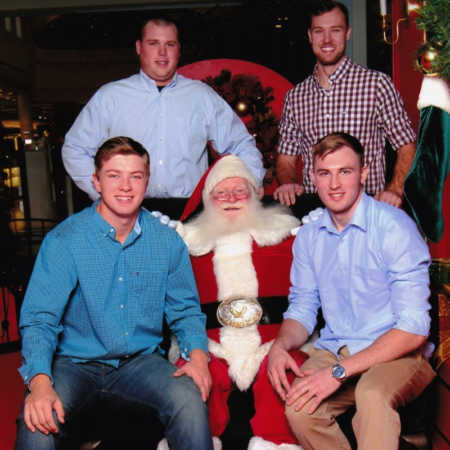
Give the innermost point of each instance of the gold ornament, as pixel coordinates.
(242, 107)
(425, 57)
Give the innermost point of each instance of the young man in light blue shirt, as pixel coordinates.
(172, 116)
(365, 265)
(92, 316)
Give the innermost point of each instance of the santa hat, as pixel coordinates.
(226, 167)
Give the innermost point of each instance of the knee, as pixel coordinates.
(370, 398)
(185, 395)
(299, 420)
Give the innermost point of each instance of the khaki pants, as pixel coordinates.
(377, 394)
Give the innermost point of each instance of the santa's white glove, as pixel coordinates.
(312, 216)
(165, 220)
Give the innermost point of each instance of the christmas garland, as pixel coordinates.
(250, 101)
(434, 56)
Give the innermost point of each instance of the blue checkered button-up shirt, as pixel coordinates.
(93, 299)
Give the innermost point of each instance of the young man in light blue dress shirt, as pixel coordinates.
(364, 263)
(92, 316)
(172, 116)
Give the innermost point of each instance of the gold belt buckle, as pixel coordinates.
(239, 312)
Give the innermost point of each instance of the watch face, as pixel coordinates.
(338, 371)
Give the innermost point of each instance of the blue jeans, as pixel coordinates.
(145, 379)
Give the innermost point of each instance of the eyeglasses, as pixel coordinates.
(238, 193)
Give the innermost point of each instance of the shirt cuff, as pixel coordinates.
(199, 342)
(414, 324)
(28, 372)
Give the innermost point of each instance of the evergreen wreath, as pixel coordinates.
(250, 100)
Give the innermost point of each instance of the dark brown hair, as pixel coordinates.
(323, 6)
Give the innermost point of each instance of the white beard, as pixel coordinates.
(266, 225)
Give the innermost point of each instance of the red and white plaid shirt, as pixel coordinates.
(360, 102)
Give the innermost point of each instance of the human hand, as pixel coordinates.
(39, 406)
(314, 385)
(391, 197)
(287, 193)
(279, 362)
(197, 369)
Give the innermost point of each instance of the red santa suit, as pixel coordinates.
(249, 264)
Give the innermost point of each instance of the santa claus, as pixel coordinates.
(241, 256)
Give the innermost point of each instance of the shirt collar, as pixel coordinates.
(108, 230)
(338, 74)
(358, 220)
(151, 84)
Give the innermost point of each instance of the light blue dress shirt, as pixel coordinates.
(93, 299)
(173, 124)
(369, 278)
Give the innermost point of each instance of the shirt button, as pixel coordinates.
(111, 230)
(160, 162)
(120, 279)
(126, 333)
(121, 306)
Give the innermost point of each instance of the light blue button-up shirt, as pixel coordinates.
(173, 124)
(93, 299)
(369, 278)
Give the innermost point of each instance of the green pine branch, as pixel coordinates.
(434, 18)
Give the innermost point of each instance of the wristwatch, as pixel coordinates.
(339, 373)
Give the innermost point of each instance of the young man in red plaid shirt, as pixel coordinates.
(341, 96)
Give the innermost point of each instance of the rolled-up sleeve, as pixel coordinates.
(407, 259)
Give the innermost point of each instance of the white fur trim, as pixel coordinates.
(163, 445)
(242, 349)
(228, 167)
(233, 267)
(258, 443)
(435, 91)
(217, 443)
